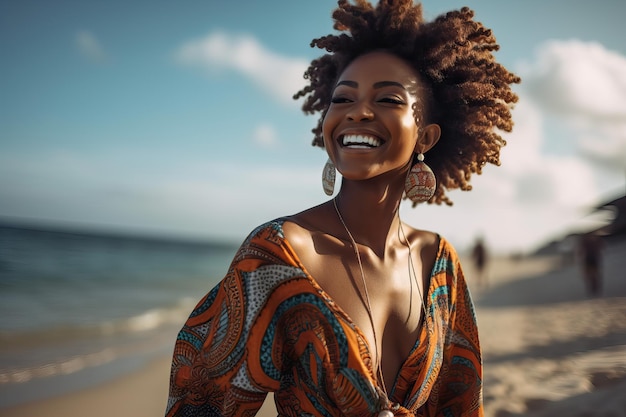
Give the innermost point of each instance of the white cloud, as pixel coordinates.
(605, 144)
(563, 180)
(90, 47)
(578, 78)
(265, 136)
(278, 75)
(584, 85)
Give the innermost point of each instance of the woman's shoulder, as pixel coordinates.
(431, 242)
(436, 252)
(424, 242)
(267, 236)
(446, 265)
(271, 227)
(304, 228)
(297, 225)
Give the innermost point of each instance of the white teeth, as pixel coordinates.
(361, 141)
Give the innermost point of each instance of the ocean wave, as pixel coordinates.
(55, 352)
(147, 321)
(64, 367)
(151, 319)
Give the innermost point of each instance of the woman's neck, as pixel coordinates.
(371, 213)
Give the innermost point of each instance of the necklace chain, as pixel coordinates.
(407, 242)
(412, 277)
(379, 371)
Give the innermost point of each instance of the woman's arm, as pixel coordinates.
(223, 363)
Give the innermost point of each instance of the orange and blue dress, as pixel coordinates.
(269, 327)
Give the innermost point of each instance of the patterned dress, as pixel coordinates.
(269, 327)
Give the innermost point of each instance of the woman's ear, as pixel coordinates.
(428, 138)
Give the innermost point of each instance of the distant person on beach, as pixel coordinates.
(343, 309)
(590, 250)
(480, 258)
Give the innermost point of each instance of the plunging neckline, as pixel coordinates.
(341, 312)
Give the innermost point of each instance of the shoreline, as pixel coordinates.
(548, 350)
(140, 393)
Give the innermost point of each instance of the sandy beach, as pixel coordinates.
(549, 350)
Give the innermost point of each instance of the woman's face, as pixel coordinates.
(370, 126)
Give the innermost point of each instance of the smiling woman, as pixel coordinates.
(343, 309)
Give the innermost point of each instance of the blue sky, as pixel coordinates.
(175, 117)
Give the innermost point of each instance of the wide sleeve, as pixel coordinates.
(460, 379)
(225, 358)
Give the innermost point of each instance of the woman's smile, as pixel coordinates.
(360, 141)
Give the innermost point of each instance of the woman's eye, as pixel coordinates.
(339, 100)
(392, 100)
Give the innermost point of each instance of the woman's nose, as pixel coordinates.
(359, 112)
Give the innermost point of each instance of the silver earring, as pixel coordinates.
(420, 183)
(328, 177)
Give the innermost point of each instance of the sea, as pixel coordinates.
(81, 308)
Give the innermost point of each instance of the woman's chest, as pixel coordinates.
(331, 362)
(384, 305)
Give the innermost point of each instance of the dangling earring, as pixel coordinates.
(328, 177)
(420, 183)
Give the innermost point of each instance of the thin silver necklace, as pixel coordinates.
(407, 242)
(412, 277)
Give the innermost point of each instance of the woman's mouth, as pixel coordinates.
(360, 141)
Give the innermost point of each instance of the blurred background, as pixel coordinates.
(141, 141)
